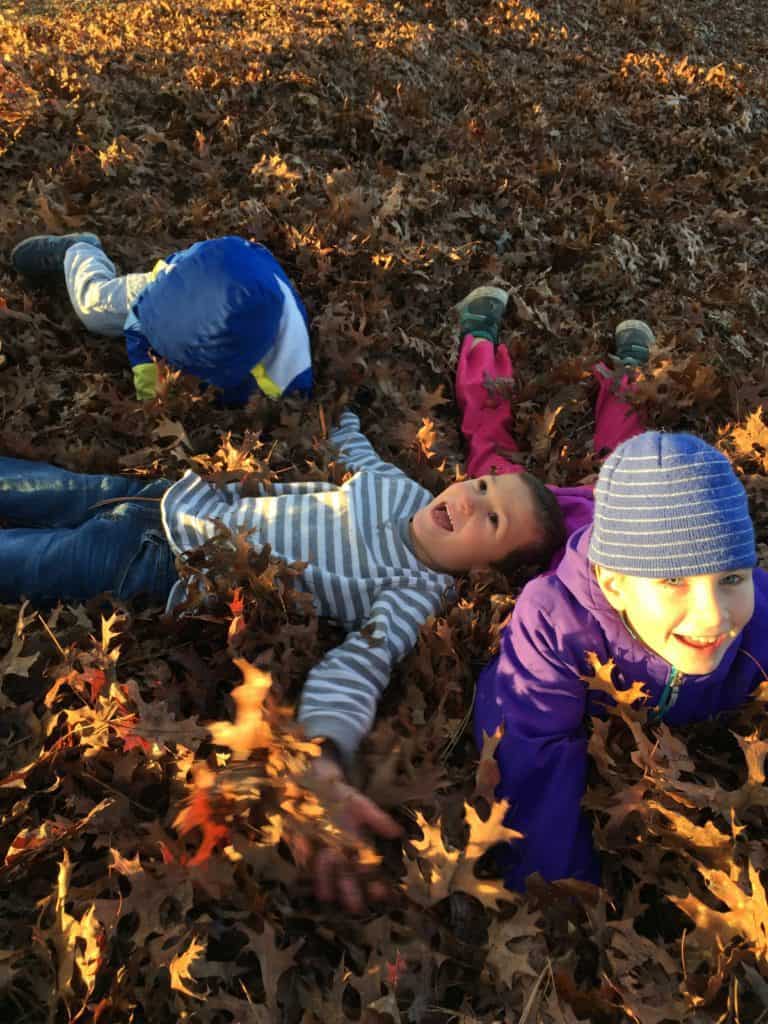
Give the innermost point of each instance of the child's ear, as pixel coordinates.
(611, 584)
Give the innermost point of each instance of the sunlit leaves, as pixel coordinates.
(599, 161)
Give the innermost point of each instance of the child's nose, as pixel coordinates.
(711, 608)
(468, 501)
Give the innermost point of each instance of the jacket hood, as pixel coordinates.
(215, 309)
(575, 573)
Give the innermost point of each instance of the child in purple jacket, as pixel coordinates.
(664, 583)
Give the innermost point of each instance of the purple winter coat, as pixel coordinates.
(533, 687)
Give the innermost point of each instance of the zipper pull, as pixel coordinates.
(665, 700)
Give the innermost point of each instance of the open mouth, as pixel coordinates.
(706, 644)
(442, 517)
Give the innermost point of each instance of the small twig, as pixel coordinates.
(15, 743)
(524, 1017)
(117, 792)
(453, 741)
(49, 631)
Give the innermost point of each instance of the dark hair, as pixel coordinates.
(551, 534)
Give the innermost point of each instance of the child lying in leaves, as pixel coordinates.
(380, 552)
(663, 584)
(222, 310)
(486, 426)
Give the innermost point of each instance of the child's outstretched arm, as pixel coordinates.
(339, 704)
(535, 691)
(342, 692)
(355, 448)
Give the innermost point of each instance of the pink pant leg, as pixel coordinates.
(615, 419)
(485, 417)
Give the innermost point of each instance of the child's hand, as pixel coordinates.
(362, 399)
(338, 878)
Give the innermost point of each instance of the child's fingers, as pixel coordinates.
(350, 890)
(379, 892)
(301, 850)
(335, 879)
(365, 812)
(324, 874)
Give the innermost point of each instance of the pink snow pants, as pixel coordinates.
(486, 419)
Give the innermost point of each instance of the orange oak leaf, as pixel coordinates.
(751, 440)
(487, 774)
(425, 438)
(179, 968)
(250, 730)
(747, 918)
(199, 814)
(602, 679)
(444, 870)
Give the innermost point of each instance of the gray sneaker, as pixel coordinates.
(633, 341)
(481, 312)
(42, 256)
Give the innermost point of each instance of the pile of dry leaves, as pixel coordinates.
(601, 158)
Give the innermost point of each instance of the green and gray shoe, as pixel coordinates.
(633, 342)
(42, 256)
(481, 312)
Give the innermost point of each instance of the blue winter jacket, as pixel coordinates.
(533, 688)
(224, 311)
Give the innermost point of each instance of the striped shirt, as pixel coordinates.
(361, 570)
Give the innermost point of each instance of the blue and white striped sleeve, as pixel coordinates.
(356, 450)
(260, 489)
(341, 693)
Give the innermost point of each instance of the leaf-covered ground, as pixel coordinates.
(602, 158)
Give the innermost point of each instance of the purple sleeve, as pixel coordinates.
(534, 689)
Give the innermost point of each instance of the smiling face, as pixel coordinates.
(691, 621)
(475, 523)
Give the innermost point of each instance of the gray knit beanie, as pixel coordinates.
(670, 505)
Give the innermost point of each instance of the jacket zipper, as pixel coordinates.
(672, 684)
(669, 694)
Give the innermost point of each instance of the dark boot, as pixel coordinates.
(481, 312)
(42, 256)
(633, 342)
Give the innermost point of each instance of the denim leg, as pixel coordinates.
(123, 551)
(66, 549)
(38, 494)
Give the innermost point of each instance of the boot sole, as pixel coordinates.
(485, 291)
(87, 237)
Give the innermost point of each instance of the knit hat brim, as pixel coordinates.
(670, 505)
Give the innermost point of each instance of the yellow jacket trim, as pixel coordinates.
(265, 383)
(158, 267)
(145, 380)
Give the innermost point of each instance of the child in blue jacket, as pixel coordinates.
(222, 310)
(664, 583)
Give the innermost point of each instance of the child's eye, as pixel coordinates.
(673, 581)
(732, 579)
(482, 486)
(494, 518)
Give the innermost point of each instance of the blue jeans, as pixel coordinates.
(56, 545)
